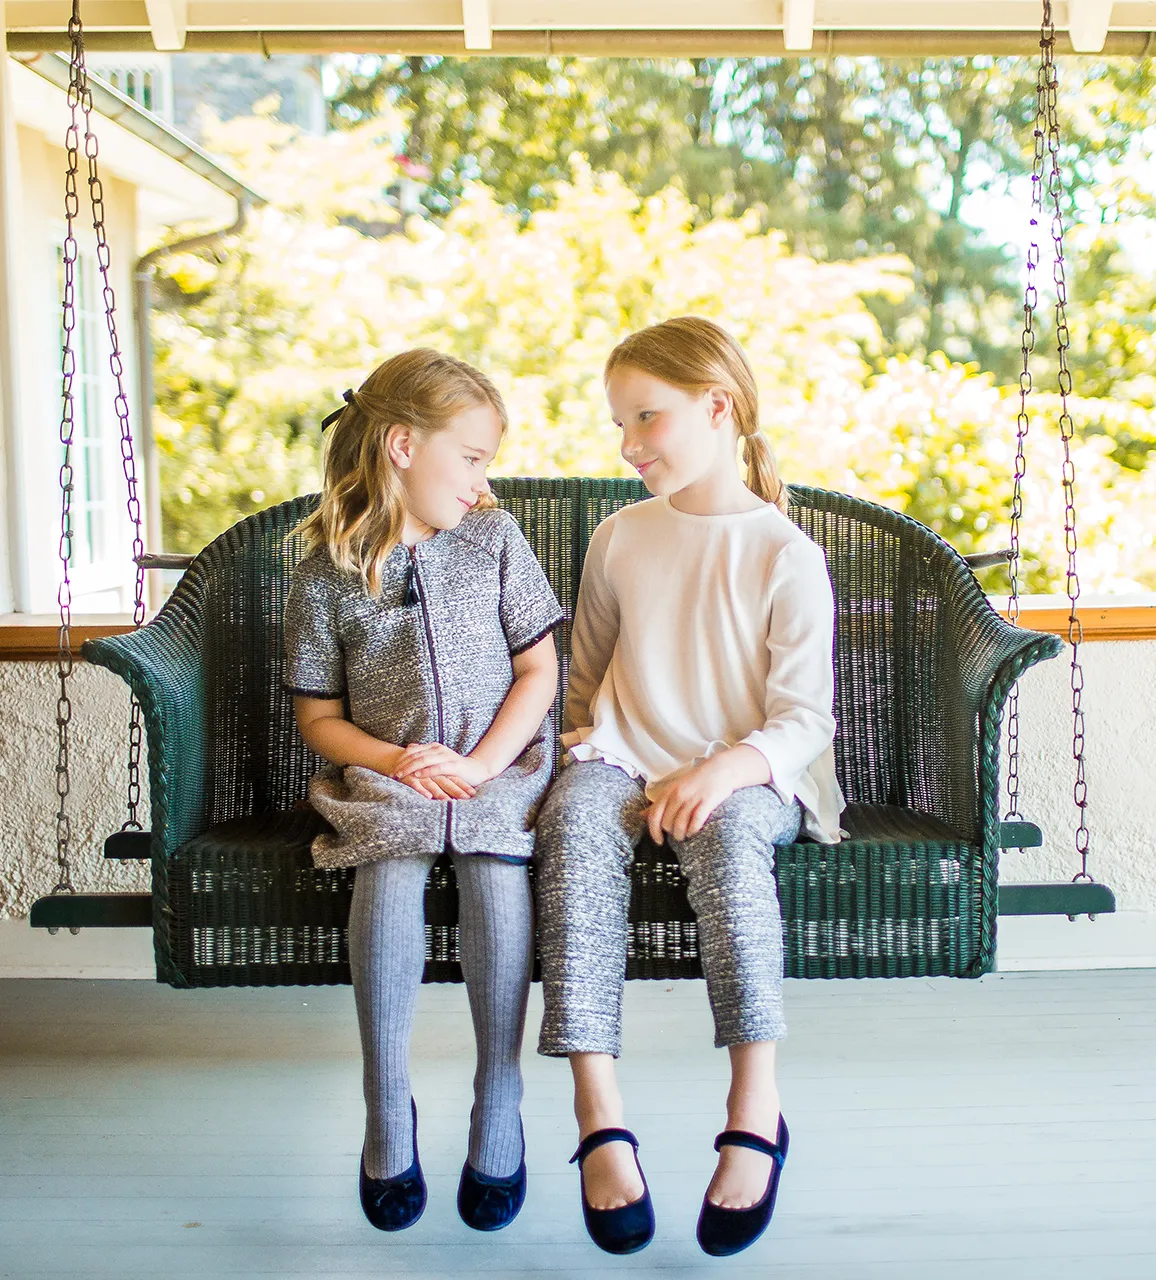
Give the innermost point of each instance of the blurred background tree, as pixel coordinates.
(826, 212)
(849, 157)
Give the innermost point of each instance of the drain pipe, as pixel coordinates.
(142, 283)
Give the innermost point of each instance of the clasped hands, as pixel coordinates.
(436, 772)
(680, 808)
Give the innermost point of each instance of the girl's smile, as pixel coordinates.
(680, 442)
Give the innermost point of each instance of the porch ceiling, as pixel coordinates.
(595, 27)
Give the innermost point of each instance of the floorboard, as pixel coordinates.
(939, 1129)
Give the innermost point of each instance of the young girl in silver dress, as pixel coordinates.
(421, 659)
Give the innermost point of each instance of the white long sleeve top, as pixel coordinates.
(696, 633)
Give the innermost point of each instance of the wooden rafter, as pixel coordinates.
(169, 22)
(1088, 22)
(476, 19)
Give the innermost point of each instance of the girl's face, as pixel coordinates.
(444, 473)
(671, 437)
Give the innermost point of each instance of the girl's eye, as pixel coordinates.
(644, 415)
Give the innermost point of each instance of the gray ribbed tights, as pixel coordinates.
(387, 954)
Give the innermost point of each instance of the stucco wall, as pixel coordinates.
(1119, 698)
(1120, 706)
(99, 737)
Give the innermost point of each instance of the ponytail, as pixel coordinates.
(762, 473)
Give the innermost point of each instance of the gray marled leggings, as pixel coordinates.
(587, 832)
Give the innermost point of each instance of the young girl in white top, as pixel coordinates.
(699, 706)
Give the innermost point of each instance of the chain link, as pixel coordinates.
(1027, 347)
(80, 105)
(1047, 147)
(120, 403)
(1067, 431)
(64, 661)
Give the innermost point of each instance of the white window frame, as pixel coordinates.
(100, 540)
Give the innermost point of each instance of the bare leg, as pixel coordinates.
(752, 1104)
(609, 1174)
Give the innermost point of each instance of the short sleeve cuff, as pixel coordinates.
(520, 646)
(312, 693)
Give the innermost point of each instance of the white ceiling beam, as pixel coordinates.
(476, 19)
(798, 24)
(1088, 24)
(169, 22)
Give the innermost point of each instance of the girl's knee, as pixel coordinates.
(729, 859)
(754, 816)
(590, 807)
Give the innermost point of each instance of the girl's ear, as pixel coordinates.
(399, 443)
(721, 406)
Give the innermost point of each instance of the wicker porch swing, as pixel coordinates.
(923, 668)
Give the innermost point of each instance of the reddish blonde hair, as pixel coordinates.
(694, 355)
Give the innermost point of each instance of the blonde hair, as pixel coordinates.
(694, 355)
(362, 511)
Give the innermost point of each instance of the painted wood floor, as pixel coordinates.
(1001, 1128)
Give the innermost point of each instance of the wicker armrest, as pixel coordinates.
(980, 657)
(993, 654)
(163, 665)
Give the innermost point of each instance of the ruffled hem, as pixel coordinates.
(583, 752)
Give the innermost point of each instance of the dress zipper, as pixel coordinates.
(413, 581)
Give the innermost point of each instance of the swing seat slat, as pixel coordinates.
(1075, 898)
(92, 911)
(129, 845)
(1020, 835)
(923, 665)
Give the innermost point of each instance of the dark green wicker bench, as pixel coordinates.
(923, 665)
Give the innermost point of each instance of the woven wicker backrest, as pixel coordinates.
(235, 592)
(898, 741)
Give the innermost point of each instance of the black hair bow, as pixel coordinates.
(331, 418)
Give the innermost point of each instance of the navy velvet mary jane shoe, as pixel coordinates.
(725, 1231)
(489, 1204)
(629, 1227)
(392, 1204)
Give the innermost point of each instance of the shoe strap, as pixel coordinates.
(753, 1141)
(599, 1138)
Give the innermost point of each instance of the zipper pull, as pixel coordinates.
(410, 596)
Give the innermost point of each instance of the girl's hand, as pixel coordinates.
(685, 803)
(431, 764)
(443, 788)
(397, 761)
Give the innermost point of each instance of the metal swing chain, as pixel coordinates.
(64, 662)
(80, 102)
(1027, 347)
(120, 403)
(1067, 431)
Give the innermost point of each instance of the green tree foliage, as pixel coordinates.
(850, 157)
(255, 346)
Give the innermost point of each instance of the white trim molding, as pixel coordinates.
(798, 24)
